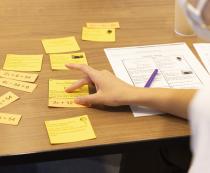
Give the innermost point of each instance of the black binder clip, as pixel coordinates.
(77, 56)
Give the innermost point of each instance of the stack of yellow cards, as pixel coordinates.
(58, 61)
(100, 32)
(57, 46)
(20, 80)
(70, 130)
(59, 98)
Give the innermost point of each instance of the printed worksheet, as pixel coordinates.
(177, 68)
(203, 50)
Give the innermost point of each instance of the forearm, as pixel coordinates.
(206, 13)
(173, 101)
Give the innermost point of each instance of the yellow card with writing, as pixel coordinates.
(23, 62)
(12, 119)
(58, 61)
(62, 103)
(70, 130)
(59, 98)
(18, 85)
(27, 77)
(113, 25)
(7, 98)
(98, 34)
(60, 45)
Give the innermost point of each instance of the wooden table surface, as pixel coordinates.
(23, 23)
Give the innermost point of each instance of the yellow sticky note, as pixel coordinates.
(98, 34)
(23, 62)
(7, 98)
(58, 61)
(70, 130)
(60, 45)
(12, 119)
(59, 98)
(62, 103)
(27, 77)
(23, 86)
(113, 25)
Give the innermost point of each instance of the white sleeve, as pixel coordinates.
(199, 117)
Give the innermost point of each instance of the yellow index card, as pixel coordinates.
(70, 130)
(59, 98)
(98, 34)
(113, 25)
(12, 119)
(18, 85)
(58, 61)
(27, 77)
(60, 45)
(23, 62)
(7, 98)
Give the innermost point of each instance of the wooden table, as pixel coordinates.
(25, 22)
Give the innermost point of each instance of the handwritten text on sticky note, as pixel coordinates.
(14, 84)
(59, 98)
(70, 130)
(7, 98)
(12, 119)
(27, 77)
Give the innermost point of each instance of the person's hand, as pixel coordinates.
(110, 90)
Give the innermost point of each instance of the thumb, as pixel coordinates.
(88, 100)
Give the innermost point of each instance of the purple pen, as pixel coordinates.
(151, 79)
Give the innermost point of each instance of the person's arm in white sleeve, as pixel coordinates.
(199, 117)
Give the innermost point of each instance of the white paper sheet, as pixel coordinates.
(176, 64)
(203, 50)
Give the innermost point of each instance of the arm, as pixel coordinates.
(206, 13)
(173, 101)
(112, 91)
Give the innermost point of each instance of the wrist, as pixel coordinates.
(149, 97)
(131, 96)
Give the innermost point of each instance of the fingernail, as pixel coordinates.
(67, 90)
(68, 65)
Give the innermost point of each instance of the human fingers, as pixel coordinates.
(78, 84)
(92, 99)
(91, 72)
